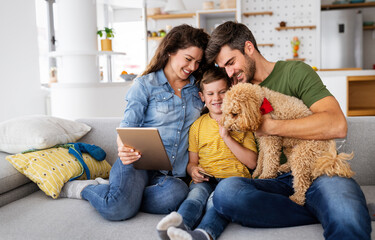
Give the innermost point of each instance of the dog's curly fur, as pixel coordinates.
(307, 159)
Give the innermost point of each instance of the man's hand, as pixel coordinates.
(266, 126)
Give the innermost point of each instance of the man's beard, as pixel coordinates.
(249, 70)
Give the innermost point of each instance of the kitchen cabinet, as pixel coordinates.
(353, 89)
(360, 99)
(349, 5)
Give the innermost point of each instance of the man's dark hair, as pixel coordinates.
(232, 34)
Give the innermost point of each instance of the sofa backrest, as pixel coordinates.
(360, 139)
(103, 134)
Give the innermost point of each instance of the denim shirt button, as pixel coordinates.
(175, 145)
(173, 157)
(183, 106)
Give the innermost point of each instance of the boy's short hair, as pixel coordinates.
(212, 75)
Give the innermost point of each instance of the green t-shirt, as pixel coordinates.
(297, 79)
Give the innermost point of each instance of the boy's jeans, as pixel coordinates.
(337, 203)
(199, 203)
(130, 190)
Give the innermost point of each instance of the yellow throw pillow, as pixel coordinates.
(51, 168)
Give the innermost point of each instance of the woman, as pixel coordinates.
(165, 97)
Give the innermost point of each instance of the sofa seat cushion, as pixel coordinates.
(10, 178)
(44, 218)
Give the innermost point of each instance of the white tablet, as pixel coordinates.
(147, 141)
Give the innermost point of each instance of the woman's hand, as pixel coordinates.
(196, 176)
(126, 154)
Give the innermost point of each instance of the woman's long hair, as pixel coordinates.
(180, 37)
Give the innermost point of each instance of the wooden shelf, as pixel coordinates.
(295, 27)
(349, 5)
(266, 45)
(360, 95)
(155, 38)
(361, 112)
(368, 27)
(171, 16)
(296, 59)
(248, 14)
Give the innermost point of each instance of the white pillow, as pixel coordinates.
(38, 132)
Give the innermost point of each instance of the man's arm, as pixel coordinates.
(326, 122)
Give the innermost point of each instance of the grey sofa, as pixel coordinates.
(27, 213)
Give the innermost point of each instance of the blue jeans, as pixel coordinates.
(199, 202)
(337, 203)
(131, 190)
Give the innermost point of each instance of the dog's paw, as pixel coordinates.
(284, 168)
(300, 200)
(267, 176)
(256, 173)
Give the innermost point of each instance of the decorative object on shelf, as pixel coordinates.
(174, 6)
(107, 42)
(52, 76)
(295, 46)
(126, 76)
(162, 33)
(227, 4)
(282, 24)
(153, 11)
(208, 5)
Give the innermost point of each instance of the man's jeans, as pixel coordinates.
(130, 190)
(337, 203)
(199, 203)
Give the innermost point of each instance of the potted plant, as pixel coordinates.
(107, 42)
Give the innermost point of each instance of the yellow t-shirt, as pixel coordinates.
(214, 155)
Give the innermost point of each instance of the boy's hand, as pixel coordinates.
(222, 131)
(198, 177)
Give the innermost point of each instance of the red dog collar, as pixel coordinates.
(266, 107)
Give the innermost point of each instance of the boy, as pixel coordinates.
(212, 151)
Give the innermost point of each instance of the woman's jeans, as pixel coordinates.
(337, 203)
(131, 190)
(199, 203)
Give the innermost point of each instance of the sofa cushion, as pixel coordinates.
(361, 140)
(10, 178)
(103, 133)
(38, 132)
(51, 168)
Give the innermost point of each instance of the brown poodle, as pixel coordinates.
(307, 159)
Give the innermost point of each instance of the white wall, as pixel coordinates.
(20, 91)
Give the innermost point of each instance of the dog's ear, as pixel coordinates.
(251, 107)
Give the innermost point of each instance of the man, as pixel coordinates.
(337, 203)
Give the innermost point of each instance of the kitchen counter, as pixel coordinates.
(353, 89)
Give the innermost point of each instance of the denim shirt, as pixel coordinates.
(151, 102)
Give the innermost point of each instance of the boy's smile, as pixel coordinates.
(213, 95)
